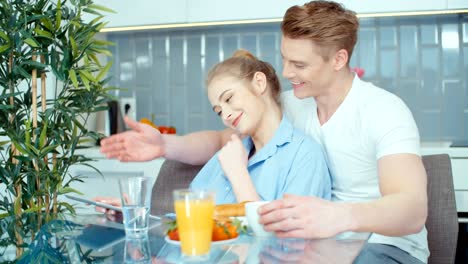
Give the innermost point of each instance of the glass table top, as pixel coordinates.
(94, 239)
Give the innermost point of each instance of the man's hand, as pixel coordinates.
(303, 217)
(233, 158)
(142, 143)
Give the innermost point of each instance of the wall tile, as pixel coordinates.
(368, 51)
(176, 62)
(429, 125)
(388, 64)
(429, 34)
(388, 37)
(452, 111)
(465, 32)
(450, 50)
(195, 76)
(230, 45)
(143, 61)
(249, 42)
(408, 51)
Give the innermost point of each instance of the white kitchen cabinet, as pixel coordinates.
(216, 10)
(383, 6)
(213, 10)
(144, 12)
(460, 173)
(457, 4)
(154, 12)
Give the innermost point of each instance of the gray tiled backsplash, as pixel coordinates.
(423, 59)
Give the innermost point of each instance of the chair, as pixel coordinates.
(442, 219)
(172, 175)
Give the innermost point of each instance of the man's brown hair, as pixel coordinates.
(328, 24)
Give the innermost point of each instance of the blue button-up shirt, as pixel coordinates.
(290, 162)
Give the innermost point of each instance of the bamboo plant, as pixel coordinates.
(41, 42)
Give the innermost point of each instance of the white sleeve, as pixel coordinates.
(392, 128)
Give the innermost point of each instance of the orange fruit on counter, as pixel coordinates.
(148, 122)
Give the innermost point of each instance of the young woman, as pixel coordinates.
(273, 158)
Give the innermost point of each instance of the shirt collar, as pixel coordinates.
(283, 135)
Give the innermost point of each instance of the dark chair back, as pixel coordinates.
(172, 175)
(442, 219)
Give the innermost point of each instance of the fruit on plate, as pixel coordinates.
(226, 226)
(223, 229)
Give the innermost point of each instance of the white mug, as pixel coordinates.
(251, 209)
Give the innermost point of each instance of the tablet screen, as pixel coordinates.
(99, 237)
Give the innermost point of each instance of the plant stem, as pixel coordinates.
(43, 104)
(34, 117)
(54, 163)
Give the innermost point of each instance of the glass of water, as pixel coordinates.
(135, 193)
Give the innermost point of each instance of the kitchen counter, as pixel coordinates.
(428, 148)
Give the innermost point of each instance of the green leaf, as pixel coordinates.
(43, 33)
(74, 47)
(68, 206)
(27, 132)
(46, 150)
(73, 78)
(104, 71)
(34, 63)
(47, 23)
(85, 82)
(20, 148)
(33, 209)
(31, 42)
(91, 11)
(88, 75)
(21, 71)
(42, 138)
(4, 36)
(103, 43)
(4, 47)
(58, 17)
(95, 59)
(102, 8)
(68, 190)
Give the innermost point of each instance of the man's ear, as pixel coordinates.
(259, 83)
(340, 59)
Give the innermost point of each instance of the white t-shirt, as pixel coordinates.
(369, 124)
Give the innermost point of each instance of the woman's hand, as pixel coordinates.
(110, 214)
(142, 143)
(233, 158)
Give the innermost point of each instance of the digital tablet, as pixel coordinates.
(98, 237)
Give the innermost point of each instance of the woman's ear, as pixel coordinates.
(259, 83)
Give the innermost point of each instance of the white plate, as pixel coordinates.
(175, 242)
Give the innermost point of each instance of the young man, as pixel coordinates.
(369, 135)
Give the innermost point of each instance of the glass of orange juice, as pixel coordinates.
(194, 212)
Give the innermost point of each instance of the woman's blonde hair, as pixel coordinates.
(243, 65)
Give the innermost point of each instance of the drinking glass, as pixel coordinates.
(137, 251)
(194, 213)
(135, 193)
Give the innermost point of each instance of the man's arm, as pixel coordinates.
(195, 148)
(402, 210)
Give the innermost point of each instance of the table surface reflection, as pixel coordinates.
(65, 241)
